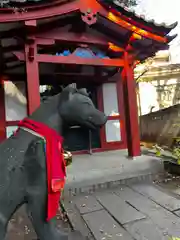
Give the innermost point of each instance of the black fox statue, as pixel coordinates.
(23, 170)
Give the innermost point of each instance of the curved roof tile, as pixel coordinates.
(172, 37)
(120, 7)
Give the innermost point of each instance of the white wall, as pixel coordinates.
(15, 103)
(10, 130)
(110, 102)
(15, 100)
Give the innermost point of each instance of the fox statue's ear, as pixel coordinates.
(83, 91)
(69, 88)
(67, 93)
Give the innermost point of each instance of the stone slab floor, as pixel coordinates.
(141, 211)
(88, 170)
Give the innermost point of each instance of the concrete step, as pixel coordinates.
(89, 173)
(110, 182)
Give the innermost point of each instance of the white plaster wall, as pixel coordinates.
(110, 102)
(15, 100)
(10, 130)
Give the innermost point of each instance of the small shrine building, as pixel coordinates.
(93, 43)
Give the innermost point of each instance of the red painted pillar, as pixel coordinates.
(101, 108)
(32, 71)
(2, 113)
(131, 110)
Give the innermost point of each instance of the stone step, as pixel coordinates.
(109, 183)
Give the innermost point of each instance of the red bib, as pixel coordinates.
(56, 170)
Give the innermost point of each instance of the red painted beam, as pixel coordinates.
(31, 23)
(30, 26)
(12, 123)
(45, 12)
(127, 25)
(84, 38)
(121, 108)
(45, 41)
(45, 58)
(101, 108)
(80, 61)
(138, 22)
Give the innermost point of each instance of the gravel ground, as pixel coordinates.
(20, 227)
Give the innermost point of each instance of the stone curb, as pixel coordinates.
(79, 190)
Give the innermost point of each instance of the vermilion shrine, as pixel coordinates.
(93, 43)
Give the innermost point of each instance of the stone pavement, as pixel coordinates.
(88, 172)
(141, 211)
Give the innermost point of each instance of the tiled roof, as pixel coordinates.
(129, 12)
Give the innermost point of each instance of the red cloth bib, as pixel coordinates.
(56, 170)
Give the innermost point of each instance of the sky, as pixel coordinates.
(167, 11)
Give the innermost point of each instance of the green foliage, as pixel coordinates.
(158, 150)
(176, 154)
(176, 149)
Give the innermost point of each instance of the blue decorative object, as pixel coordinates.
(65, 53)
(84, 53)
